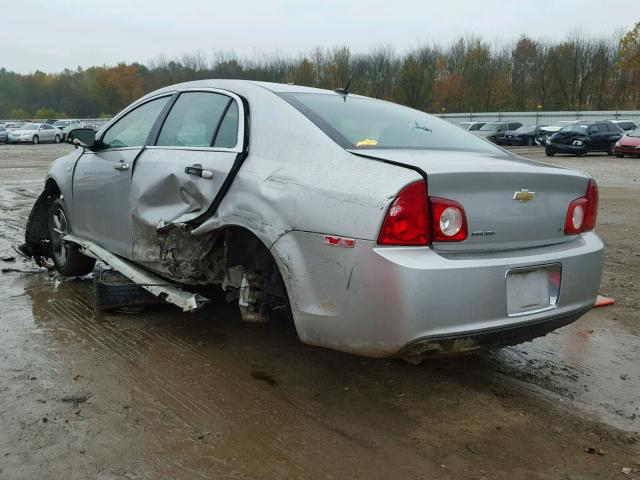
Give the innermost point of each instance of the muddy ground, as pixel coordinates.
(166, 394)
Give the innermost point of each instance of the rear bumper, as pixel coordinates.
(512, 141)
(381, 301)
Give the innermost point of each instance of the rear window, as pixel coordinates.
(365, 123)
(575, 128)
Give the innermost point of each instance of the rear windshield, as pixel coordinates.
(365, 123)
(575, 128)
(490, 127)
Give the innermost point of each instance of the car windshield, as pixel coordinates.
(634, 133)
(524, 129)
(29, 126)
(575, 128)
(365, 123)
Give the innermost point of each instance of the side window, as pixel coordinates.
(502, 127)
(602, 128)
(193, 120)
(133, 129)
(593, 129)
(227, 136)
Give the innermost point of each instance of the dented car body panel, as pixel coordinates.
(216, 214)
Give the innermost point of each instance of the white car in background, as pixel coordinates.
(35, 133)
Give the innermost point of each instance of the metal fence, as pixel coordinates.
(541, 118)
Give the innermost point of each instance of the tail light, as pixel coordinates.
(414, 219)
(406, 222)
(449, 220)
(582, 212)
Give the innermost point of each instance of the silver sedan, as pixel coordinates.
(383, 230)
(35, 133)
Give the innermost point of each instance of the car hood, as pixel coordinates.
(630, 141)
(22, 132)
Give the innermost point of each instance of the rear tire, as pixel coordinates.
(57, 139)
(112, 291)
(66, 256)
(35, 140)
(611, 147)
(620, 155)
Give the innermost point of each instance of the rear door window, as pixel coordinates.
(602, 128)
(133, 129)
(196, 119)
(227, 136)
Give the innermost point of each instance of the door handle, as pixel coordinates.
(121, 166)
(197, 170)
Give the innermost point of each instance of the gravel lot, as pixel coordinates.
(166, 394)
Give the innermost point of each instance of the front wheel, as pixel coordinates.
(35, 140)
(66, 256)
(549, 153)
(57, 139)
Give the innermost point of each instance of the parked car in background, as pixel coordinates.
(493, 131)
(547, 131)
(4, 134)
(525, 135)
(397, 224)
(35, 133)
(66, 125)
(625, 125)
(11, 126)
(629, 144)
(471, 126)
(582, 138)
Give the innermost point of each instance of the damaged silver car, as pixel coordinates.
(382, 229)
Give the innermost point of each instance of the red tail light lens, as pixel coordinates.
(592, 206)
(449, 223)
(407, 221)
(582, 212)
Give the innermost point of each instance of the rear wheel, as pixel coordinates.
(66, 256)
(619, 155)
(35, 140)
(611, 147)
(57, 139)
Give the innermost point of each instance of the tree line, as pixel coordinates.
(580, 72)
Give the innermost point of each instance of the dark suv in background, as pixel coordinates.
(495, 130)
(584, 137)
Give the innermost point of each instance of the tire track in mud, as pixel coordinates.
(230, 412)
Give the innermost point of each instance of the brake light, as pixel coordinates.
(449, 222)
(582, 212)
(407, 219)
(415, 219)
(592, 206)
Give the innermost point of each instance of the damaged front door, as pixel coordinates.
(102, 180)
(177, 179)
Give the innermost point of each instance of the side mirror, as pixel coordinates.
(84, 137)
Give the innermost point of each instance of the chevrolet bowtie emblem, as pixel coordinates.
(524, 195)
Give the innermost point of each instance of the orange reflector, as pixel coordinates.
(603, 301)
(339, 241)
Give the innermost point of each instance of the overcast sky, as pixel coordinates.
(55, 34)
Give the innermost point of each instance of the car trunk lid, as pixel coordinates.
(509, 202)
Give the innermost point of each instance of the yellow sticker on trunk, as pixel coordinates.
(367, 142)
